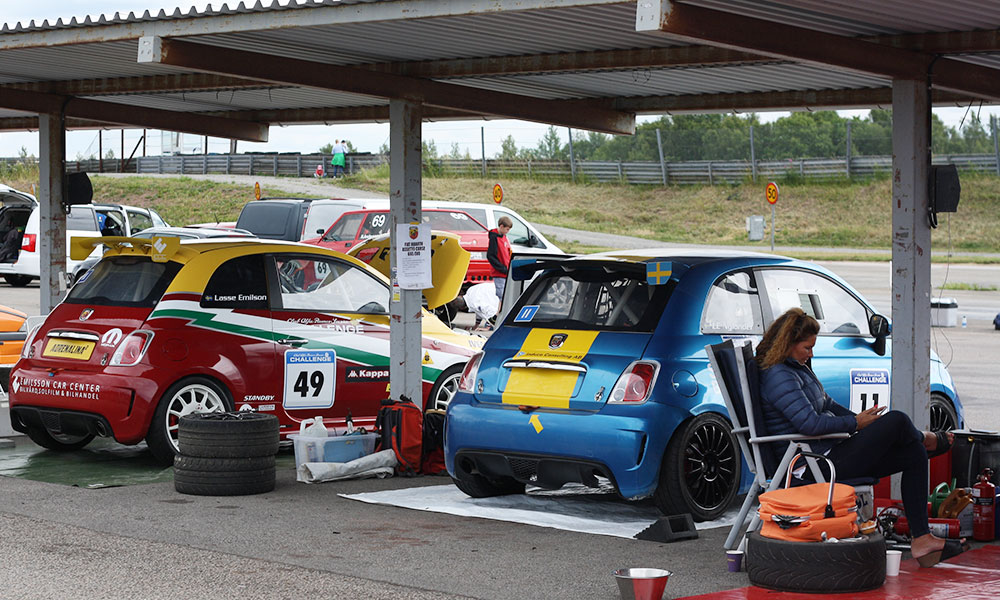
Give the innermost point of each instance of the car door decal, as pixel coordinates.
(310, 379)
(869, 387)
(365, 350)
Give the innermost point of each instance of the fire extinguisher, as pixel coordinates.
(983, 513)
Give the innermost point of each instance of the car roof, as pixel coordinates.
(691, 258)
(201, 232)
(688, 254)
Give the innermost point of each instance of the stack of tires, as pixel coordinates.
(226, 454)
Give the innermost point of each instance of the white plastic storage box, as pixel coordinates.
(339, 448)
(944, 312)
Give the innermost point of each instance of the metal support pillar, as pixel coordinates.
(911, 250)
(405, 366)
(52, 225)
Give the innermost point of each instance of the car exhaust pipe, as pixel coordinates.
(101, 429)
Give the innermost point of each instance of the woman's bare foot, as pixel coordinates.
(926, 544)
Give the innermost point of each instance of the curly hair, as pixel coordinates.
(787, 330)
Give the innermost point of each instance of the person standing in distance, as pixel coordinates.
(338, 160)
(498, 253)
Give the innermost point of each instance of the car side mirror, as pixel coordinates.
(321, 231)
(533, 241)
(879, 328)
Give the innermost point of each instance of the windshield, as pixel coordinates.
(124, 281)
(451, 221)
(593, 298)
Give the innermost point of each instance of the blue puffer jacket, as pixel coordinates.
(793, 401)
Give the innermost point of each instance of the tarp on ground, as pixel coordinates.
(572, 508)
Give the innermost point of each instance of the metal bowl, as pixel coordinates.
(641, 584)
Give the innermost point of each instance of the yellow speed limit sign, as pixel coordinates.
(256, 190)
(771, 192)
(498, 193)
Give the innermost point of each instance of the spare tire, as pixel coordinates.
(228, 434)
(849, 565)
(223, 476)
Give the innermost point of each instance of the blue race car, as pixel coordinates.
(599, 374)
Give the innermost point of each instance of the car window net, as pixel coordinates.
(616, 300)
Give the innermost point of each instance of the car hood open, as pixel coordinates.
(449, 262)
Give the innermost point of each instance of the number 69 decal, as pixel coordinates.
(310, 378)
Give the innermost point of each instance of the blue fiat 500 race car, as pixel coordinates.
(599, 372)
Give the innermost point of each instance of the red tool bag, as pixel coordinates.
(805, 513)
(400, 426)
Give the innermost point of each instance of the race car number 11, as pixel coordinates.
(310, 378)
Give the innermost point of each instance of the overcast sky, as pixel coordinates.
(365, 138)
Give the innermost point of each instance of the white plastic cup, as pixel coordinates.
(892, 559)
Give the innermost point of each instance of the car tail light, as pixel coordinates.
(468, 380)
(27, 351)
(28, 242)
(131, 350)
(635, 384)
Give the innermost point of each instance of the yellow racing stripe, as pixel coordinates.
(539, 386)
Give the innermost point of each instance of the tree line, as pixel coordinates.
(817, 134)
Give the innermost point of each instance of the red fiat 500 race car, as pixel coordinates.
(161, 328)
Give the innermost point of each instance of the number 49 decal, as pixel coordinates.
(310, 378)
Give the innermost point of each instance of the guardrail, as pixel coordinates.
(641, 173)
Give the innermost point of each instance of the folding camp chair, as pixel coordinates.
(736, 371)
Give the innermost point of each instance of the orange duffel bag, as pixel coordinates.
(805, 513)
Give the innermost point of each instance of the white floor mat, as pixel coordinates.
(571, 508)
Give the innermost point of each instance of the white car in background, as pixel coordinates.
(20, 239)
(20, 242)
(523, 236)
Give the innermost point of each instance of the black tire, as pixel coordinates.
(18, 280)
(187, 396)
(445, 388)
(477, 486)
(700, 472)
(228, 434)
(943, 414)
(816, 567)
(224, 476)
(59, 442)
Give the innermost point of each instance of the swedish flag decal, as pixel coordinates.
(658, 273)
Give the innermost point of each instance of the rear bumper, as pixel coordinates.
(623, 444)
(58, 421)
(78, 399)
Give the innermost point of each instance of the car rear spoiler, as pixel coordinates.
(160, 248)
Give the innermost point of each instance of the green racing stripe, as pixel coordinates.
(205, 320)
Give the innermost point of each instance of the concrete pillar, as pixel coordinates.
(405, 366)
(911, 250)
(52, 225)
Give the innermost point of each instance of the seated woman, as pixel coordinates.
(793, 400)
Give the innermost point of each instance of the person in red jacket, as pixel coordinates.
(498, 253)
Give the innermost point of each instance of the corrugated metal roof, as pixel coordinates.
(359, 33)
(131, 17)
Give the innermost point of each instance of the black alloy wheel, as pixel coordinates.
(943, 414)
(700, 473)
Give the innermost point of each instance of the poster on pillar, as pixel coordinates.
(869, 387)
(413, 256)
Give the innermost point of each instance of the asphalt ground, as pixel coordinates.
(305, 541)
